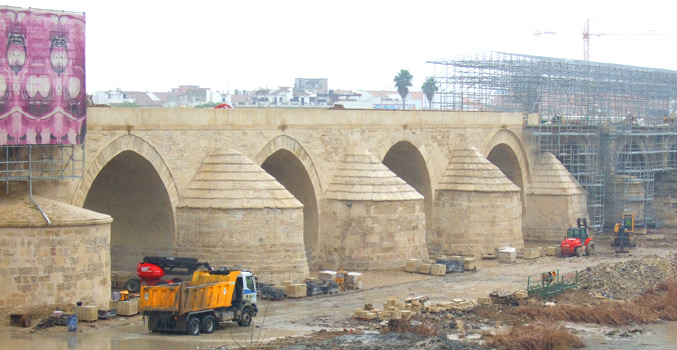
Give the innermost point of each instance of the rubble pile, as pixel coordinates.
(627, 279)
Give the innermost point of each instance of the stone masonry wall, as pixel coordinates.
(54, 266)
(268, 242)
(665, 202)
(473, 222)
(372, 235)
(550, 216)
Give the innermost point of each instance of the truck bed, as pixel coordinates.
(205, 291)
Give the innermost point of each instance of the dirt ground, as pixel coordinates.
(314, 320)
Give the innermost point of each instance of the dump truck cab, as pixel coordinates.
(200, 305)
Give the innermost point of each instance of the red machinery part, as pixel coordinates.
(149, 272)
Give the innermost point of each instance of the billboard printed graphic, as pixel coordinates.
(42, 77)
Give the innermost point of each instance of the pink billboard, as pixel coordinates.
(42, 77)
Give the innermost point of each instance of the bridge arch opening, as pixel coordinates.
(129, 189)
(506, 160)
(632, 158)
(407, 162)
(289, 171)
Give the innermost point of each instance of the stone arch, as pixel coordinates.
(123, 182)
(633, 155)
(117, 146)
(287, 161)
(504, 147)
(290, 144)
(406, 160)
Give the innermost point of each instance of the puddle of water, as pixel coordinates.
(659, 336)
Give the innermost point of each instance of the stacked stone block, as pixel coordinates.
(554, 200)
(476, 207)
(372, 219)
(234, 214)
(47, 266)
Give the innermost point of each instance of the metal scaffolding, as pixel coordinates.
(610, 125)
(20, 163)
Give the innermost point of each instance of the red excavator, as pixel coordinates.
(577, 240)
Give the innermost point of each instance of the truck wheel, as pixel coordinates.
(590, 249)
(153, 324)
(133, 285)
(578, 252)
(193, 326)
(208, 324)
(246, 317)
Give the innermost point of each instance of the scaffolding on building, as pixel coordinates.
(610, 125)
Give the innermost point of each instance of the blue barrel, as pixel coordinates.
(72, 323)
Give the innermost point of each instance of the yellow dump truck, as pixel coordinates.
(199, 306)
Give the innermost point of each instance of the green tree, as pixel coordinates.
(429, 88)
(402, 83)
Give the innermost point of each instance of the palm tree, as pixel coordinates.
(429, 88)
(402, 83)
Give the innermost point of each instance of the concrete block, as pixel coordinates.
(507, 255)
(469, 264)
(484, 300)
(551, 251)
(353, 280)
(412, 265)
(327, 275)
(532, 253)
(296, 290)
(128, 307)
(87, 313)
(425, 268)
(438, 270)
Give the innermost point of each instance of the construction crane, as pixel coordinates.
(587, 35)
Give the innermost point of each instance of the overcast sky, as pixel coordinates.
(226, 45)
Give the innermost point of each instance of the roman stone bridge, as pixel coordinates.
(282, 190)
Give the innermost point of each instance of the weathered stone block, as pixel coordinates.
(296, 290)
(87, 313)
(532, 253)
(438, 270)
(128, 307)
(507, 255)
(425, 268)
(469, 264)
(551, 251)
(412, 265)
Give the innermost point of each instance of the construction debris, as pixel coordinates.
(627, 279)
